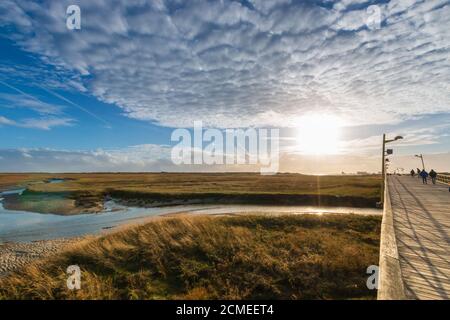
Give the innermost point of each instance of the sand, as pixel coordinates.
(15, 255)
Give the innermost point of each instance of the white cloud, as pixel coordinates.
(135, 158)
(234, 65)
(372, 144)
(45, 123)
(20, 101)
(154, 158)
(6, 121)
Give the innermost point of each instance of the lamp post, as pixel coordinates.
(421, 158)
(383, 163)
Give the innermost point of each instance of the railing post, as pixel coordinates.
(383, 169)
(443, 178)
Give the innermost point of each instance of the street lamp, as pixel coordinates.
(421, 157)
(383, 163)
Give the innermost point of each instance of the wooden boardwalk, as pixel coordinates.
(421, 219)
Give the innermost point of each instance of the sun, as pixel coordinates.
(319, 134)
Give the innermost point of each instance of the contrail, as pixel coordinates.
(58, 96)
(75, 105)
(20, 91)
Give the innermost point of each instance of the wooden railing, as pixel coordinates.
(444, 178)
(390, 280)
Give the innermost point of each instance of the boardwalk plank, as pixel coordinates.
(421, 216)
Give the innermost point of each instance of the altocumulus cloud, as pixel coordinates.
(239, 64)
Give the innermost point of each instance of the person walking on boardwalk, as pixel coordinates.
(433, 176)
(424, 176)
(418, 173)
(413, 173)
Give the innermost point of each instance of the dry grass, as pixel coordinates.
(12, 180)
(244, 257)
(178, 183)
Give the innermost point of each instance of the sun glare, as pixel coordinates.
(319, 134)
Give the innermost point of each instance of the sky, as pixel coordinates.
(334, 74)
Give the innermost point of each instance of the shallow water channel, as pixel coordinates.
(24, 226)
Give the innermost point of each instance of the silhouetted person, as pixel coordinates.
(412, 172)
(424, 176)
(418, 173)
(433, 176)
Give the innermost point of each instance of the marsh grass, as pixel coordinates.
(198, 257)
(88, 190)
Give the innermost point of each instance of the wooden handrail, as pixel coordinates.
(390, 281)
(442, 177)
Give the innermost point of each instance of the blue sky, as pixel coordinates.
(86, 118)
(108, 96)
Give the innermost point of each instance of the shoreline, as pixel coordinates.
(223, 232)
(67, 205)
(15, 255)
